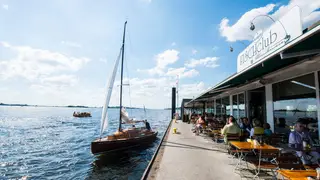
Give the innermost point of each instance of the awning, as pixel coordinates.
(307, 42)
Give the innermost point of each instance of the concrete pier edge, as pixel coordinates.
(150, 168)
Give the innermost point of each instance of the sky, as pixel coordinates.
(59, 52)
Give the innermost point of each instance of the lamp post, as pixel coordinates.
(253, 27)
(245, 45)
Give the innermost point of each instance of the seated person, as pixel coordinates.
(282, 128)
(147, 125)
(231, 128)
(199, 124)
(257, 128)
(296, 141)
(245, 125)
(267, 130)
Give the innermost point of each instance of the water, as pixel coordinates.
(48, 143)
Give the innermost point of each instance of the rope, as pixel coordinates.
(128, 73)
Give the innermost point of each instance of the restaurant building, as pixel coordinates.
(277, 77)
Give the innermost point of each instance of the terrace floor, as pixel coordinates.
(187, 156)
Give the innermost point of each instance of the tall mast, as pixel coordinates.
(123, 41)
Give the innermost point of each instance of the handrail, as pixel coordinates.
(147, 170)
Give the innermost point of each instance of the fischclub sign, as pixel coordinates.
(276, 36)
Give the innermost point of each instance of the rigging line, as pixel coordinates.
(129, 38)
(126, 64)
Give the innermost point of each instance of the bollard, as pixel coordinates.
(174, 130)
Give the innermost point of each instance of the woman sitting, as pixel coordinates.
(267, 130)
(199, 124)
(257, 128)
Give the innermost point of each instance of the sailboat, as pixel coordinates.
(122, 138)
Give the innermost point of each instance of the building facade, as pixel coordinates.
(278, 84)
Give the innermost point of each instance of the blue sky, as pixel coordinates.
(61, 52)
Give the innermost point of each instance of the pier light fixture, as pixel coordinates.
(245, 45)
(253, 27)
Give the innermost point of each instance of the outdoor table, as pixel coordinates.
(297, 174)
(243, 147)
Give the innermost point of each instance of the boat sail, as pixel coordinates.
(123, 138)
(104, 116)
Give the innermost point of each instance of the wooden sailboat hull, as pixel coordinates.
(105, 145)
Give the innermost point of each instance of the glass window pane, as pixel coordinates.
(209, 107)
(242, 107)
(218, 106)
(235, 106)
(294, 99)
(226, 106)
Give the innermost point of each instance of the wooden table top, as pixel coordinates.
(297, 174)
(249, 145)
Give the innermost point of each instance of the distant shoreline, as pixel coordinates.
(70, 106)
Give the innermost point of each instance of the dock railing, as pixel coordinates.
(147, 170)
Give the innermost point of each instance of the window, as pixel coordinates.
(212, 107)
(218, 106)
(235, 106)
(242, 107)
(294, 99)
(225, 106)
(209, 108)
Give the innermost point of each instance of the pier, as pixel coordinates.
(272, 92)
(186, 156)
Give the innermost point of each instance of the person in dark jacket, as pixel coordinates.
(245, 125)
(147, 125)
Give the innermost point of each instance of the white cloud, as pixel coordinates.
(312, 18)
(194, 51)
(182, 72)
(240, 29)
(173, 44)
(151, 90)
(211, 62)
(32, 64)
(166, 58)
(60, 80)
(162, 61)
(191, 90)
(190, 73)
(175, 71)
(71, 44)
(5, 6)
(47, 72)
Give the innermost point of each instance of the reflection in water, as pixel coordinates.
(119, 164)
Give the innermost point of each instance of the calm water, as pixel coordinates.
(48, 143)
